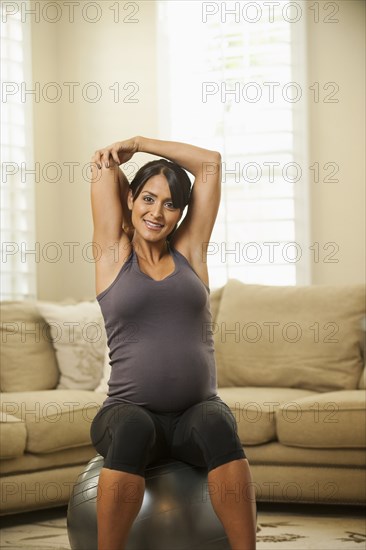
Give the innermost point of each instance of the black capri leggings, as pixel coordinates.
(131, 437)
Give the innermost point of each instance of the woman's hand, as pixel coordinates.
(117, 153)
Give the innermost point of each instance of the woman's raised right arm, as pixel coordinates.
(106, 207)
(109, 190)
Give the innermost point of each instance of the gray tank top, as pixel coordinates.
(160, 337)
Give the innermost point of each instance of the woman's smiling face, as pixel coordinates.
(153, 214)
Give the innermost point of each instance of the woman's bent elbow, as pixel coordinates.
(216, 157)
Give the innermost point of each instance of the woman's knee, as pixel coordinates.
(214, 417)
(133, 426)
(123, 426)
(214, 430)
(133, 436)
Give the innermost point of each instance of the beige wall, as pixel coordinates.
(105, 53)
(336, 53)
(47, 144)
(108, 52)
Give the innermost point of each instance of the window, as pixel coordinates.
(234, 80)
(18, 274)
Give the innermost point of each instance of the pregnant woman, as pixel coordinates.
(153, 290)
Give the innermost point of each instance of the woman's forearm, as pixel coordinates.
(191, 158)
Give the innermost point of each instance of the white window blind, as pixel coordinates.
(18, 265)
(230, 83)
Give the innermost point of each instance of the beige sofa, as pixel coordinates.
(290, 364)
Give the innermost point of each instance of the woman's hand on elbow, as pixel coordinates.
(117, 153)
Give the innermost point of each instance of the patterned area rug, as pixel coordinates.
(310, 528)
(280, 527)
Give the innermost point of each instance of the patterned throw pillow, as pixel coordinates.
(78, 335)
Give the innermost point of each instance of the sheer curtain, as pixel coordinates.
(234, 79)
(18, 267)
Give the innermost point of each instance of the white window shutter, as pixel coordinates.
(18, 264)
(227, 86)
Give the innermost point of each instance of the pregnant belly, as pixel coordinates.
(168, 385)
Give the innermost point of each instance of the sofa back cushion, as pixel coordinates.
(28, 360)
(362, 381)
(215, 298)
(286, 336)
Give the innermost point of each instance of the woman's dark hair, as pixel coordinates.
(178, 181)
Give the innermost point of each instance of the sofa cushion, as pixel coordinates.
(28, 360)
(78, 335)
(215, 298)
(274, 453)
(56, 419)
(13, 436)
(31, 462)
(301, 337)
(254, 410)
(328, 421)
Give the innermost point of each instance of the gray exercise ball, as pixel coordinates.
(176, 513)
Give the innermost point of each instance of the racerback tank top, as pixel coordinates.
(160, 337)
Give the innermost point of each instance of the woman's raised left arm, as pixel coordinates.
(195, 160)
